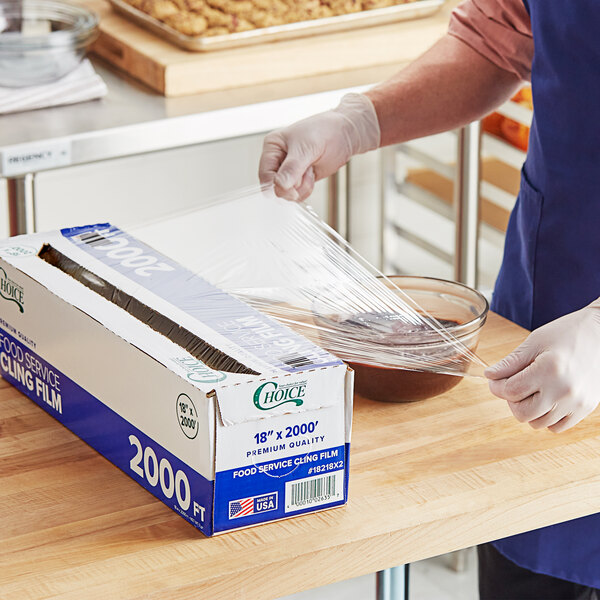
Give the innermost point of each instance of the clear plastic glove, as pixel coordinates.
(295, 157)
(553, 378)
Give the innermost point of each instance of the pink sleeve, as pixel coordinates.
(499, 30)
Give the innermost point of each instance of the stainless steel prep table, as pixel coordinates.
(131, 120)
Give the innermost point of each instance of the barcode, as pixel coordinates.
(296, 361)
(314, 491)
(92, 238)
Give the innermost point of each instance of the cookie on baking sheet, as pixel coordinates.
(239, 24)
(212, 31)
(222, 17)
(269, 13)
(195, 5)
(217, 18)
(240, 8)
(160, 9)
(276, 7)
(344, 7)
(188, 23)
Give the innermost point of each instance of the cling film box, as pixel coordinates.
(228, 417)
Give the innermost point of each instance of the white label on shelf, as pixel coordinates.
(35, 157)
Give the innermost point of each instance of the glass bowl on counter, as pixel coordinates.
(41, 41)
(459, 309)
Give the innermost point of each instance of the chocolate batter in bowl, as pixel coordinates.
(385, 340)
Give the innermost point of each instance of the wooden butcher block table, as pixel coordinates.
(426, 478)
(351, 58)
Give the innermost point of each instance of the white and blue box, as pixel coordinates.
(256, 431)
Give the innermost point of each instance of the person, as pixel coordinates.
(549, 281)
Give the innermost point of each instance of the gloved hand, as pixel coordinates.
(295, 157)
(553, 378)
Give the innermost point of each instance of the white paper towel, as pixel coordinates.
(78, 86)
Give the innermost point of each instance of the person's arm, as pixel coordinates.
(477, 66)
(448, 87)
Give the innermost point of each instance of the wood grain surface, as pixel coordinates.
(175, 72)
(426, 478)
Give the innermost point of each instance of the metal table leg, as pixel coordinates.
(392, 584)
(466, 204)
(387, 185)
(338, 202)
(347, 211)
(21, 204)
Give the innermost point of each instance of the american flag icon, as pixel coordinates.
(241, 508)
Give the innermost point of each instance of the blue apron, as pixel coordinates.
(551, 263)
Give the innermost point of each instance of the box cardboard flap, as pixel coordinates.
(262, 398)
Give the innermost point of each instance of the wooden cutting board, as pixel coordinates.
(425, 478)
(175, 72)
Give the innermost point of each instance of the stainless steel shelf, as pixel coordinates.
(493, 146)
(430, 236)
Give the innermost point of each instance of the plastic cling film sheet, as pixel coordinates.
(282, 259)
(214, 327)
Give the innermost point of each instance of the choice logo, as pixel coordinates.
(198, 372)
(270, 395)
(17, 251)
(10, 290)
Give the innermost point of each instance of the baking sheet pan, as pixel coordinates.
(367, 18)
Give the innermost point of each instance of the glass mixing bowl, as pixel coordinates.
(461, 310)
(41, 41)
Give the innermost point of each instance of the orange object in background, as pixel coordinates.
(493, 123)
(512, 131)
(524, 97)
(515, 133)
